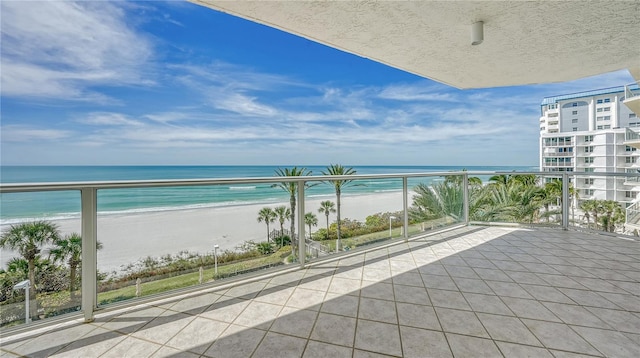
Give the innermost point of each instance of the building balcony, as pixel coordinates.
(632, 97)
(556, 154)
(569, 164)
(477, 291)
(632, 138)
(458, 288)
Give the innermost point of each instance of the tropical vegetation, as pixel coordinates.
(268, 216)
(327, 207)
(339, 185)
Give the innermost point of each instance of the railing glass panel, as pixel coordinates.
(371, 212)
(435, 202)
(40, 243)
(609, 204)
(517, 198)
(158, 239)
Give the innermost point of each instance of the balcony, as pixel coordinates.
(558, 164)
(632, 97)
(461, 290)
(480, 291)
(556, 154)
(631, 138)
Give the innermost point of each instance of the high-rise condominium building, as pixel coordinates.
(589, 132)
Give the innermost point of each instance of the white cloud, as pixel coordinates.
(416, 92)
(108, 119)
(20, 133)
(60, 49)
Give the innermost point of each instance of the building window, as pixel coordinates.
(574, 104)
(606, 109)
(599, 127)
(552, 106)
(588, 160)
(574, 113)
(632, 115)
(588, 181)
(607, 126)
(588, 149)
(589, 170)
(607, 100)
(599, 101)
(629, 149)
(599, 110)
(588, 138)
(630, 160)
(575, 129)
(629, 194)
(634, 124)
(575, 120)
(589, 192)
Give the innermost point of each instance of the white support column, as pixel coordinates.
(565, 201)
(89, 212)
(405, 207)
(301, 226)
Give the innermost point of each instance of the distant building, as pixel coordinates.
(587, 132)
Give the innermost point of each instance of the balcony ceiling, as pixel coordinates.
(524, 42)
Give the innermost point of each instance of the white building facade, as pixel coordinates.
(585, 132)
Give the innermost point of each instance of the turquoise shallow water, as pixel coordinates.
(66, 204)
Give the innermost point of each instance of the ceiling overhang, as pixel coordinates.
(525, 42)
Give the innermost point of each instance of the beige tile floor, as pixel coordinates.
(471, 292)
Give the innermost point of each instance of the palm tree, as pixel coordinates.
(267, 215)
(338, 185)
(612, 215)
(69, 248)
(500, 179)
(593, 207)
(283, 213)
(443, 199)
(291, 188)
(327, 207)
(27, 239)
(551, 193)
(311, 220)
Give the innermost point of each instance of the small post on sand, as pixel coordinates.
(201, 275)
(138, 287)
(215, 260)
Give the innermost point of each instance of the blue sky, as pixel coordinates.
(153, 83)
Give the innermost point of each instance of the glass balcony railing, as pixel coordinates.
(188, 234)
(632, 90)
(630, 135)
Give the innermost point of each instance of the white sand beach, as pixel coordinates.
(128, 238)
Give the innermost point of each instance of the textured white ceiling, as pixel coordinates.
(525, 42)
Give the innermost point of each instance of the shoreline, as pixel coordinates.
(130, 237)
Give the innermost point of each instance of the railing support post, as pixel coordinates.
(565, 201)
(301, 225)
(89, 221)
(405, 207)
(465, 197)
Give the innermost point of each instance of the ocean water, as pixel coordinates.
(20, 207)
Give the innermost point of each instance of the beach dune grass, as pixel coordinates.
(55, 303)
(378, 236)
(192, 278)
